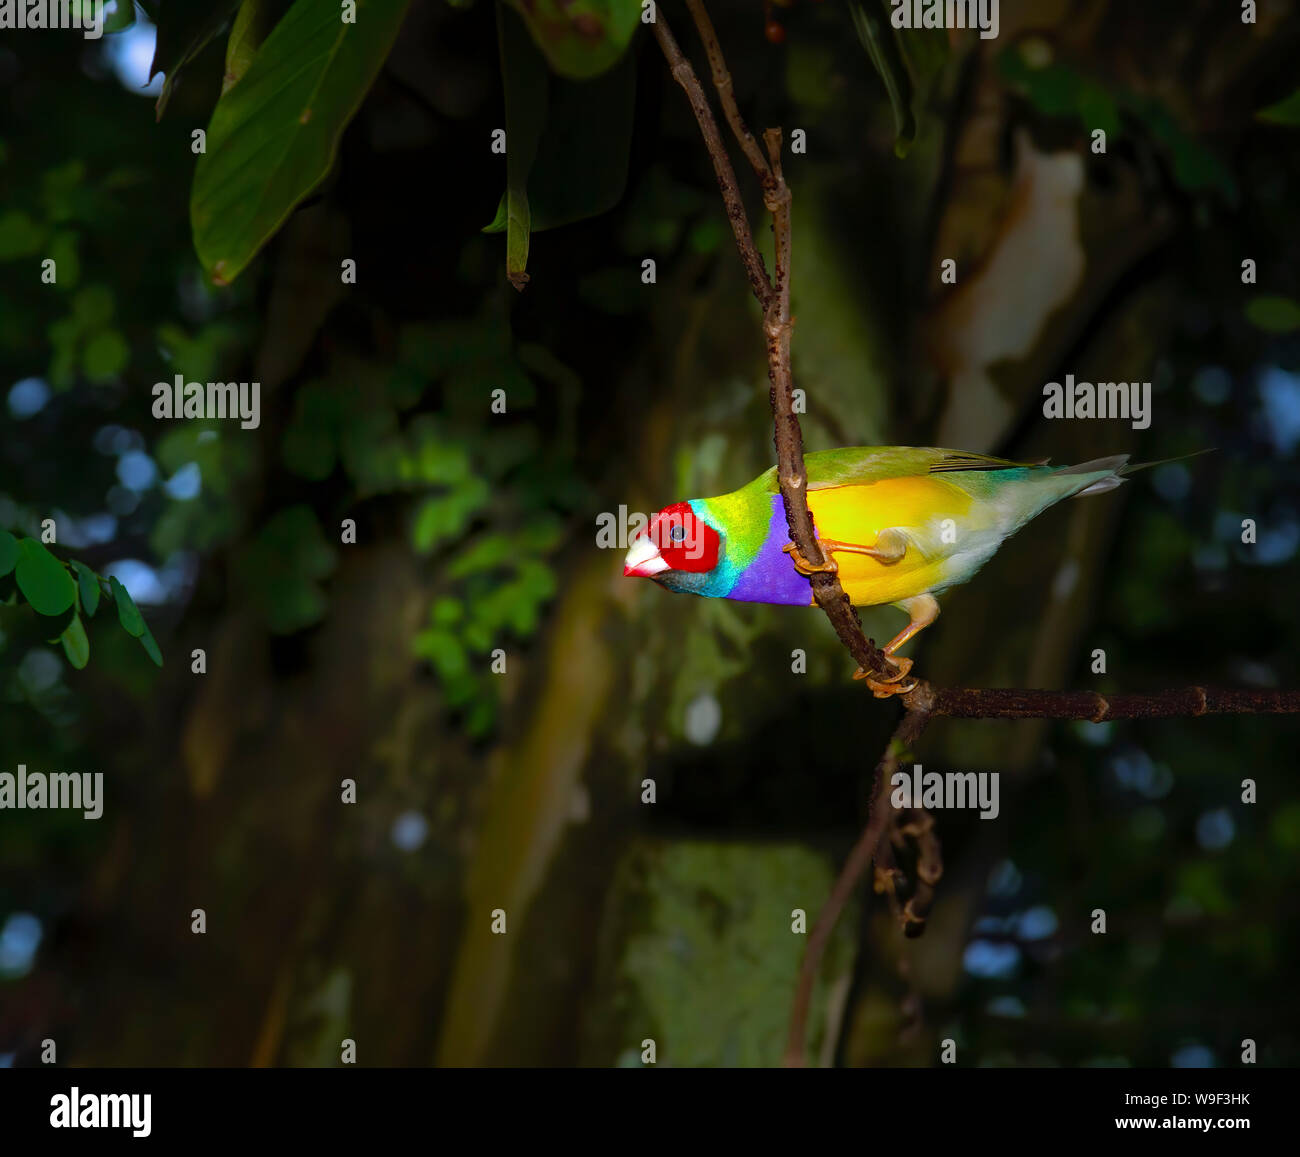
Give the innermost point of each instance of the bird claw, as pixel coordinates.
(804, 567)
(883, 686)
(886, 690)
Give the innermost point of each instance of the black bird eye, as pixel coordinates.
(677, 533)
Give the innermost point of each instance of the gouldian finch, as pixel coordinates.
(897, 524)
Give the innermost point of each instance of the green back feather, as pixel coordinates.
(1014, 492)
(862, 465)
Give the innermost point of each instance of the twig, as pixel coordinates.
(727, 96)
(791, 473)
(910, 917)
(684, 75)
(1008, 703)
(918, 824)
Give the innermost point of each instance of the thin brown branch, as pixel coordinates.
(791, 473)
(778, 328)
(888, 878)
(727, 96)
(1011, 703)
(1029, 703)
(917, 824)
(685, 76)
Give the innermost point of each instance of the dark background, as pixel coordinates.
(476, 530)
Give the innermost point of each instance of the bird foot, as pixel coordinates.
(883, 686)
(804, 567)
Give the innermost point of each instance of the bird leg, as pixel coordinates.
(889, 548)
(804, 567)
(922, 611)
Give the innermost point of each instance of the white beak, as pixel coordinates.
(644, 560)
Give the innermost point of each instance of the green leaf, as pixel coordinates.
(1196, 167)
(274, 136)
(8, 552)
(581, 38)
(105, 356)
(446, 612)
(1285, 827)
(281, 568)
(246, 35)
(567, 144)
(1098, 110)
(185, 30)
(518, 233)
(498, 223)
(295, 535)
(43, 580)
(1285, 112)
(128, 614)
(63, 192)
(310, 445)
(807, 66)
(76, 645)
(92, 306)
(444, 652)
(1202, 883)
(63, 252)
(436, 460)
(1273, 314)
(926, 56)
(446, 517)
(121, 18)
(150, 645)
(88, 584)
(20, 236)
(197, 356)
(526, 94)
(580, 169)
(882, 46)
(487, 553)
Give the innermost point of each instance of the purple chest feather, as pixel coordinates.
(771, 577)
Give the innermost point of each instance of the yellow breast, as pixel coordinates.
(928, 509)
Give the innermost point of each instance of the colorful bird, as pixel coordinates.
(897, 524)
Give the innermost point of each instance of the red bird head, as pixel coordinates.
(676, 539)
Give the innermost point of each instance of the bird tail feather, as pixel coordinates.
(1110, 468)
(1119, 467)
